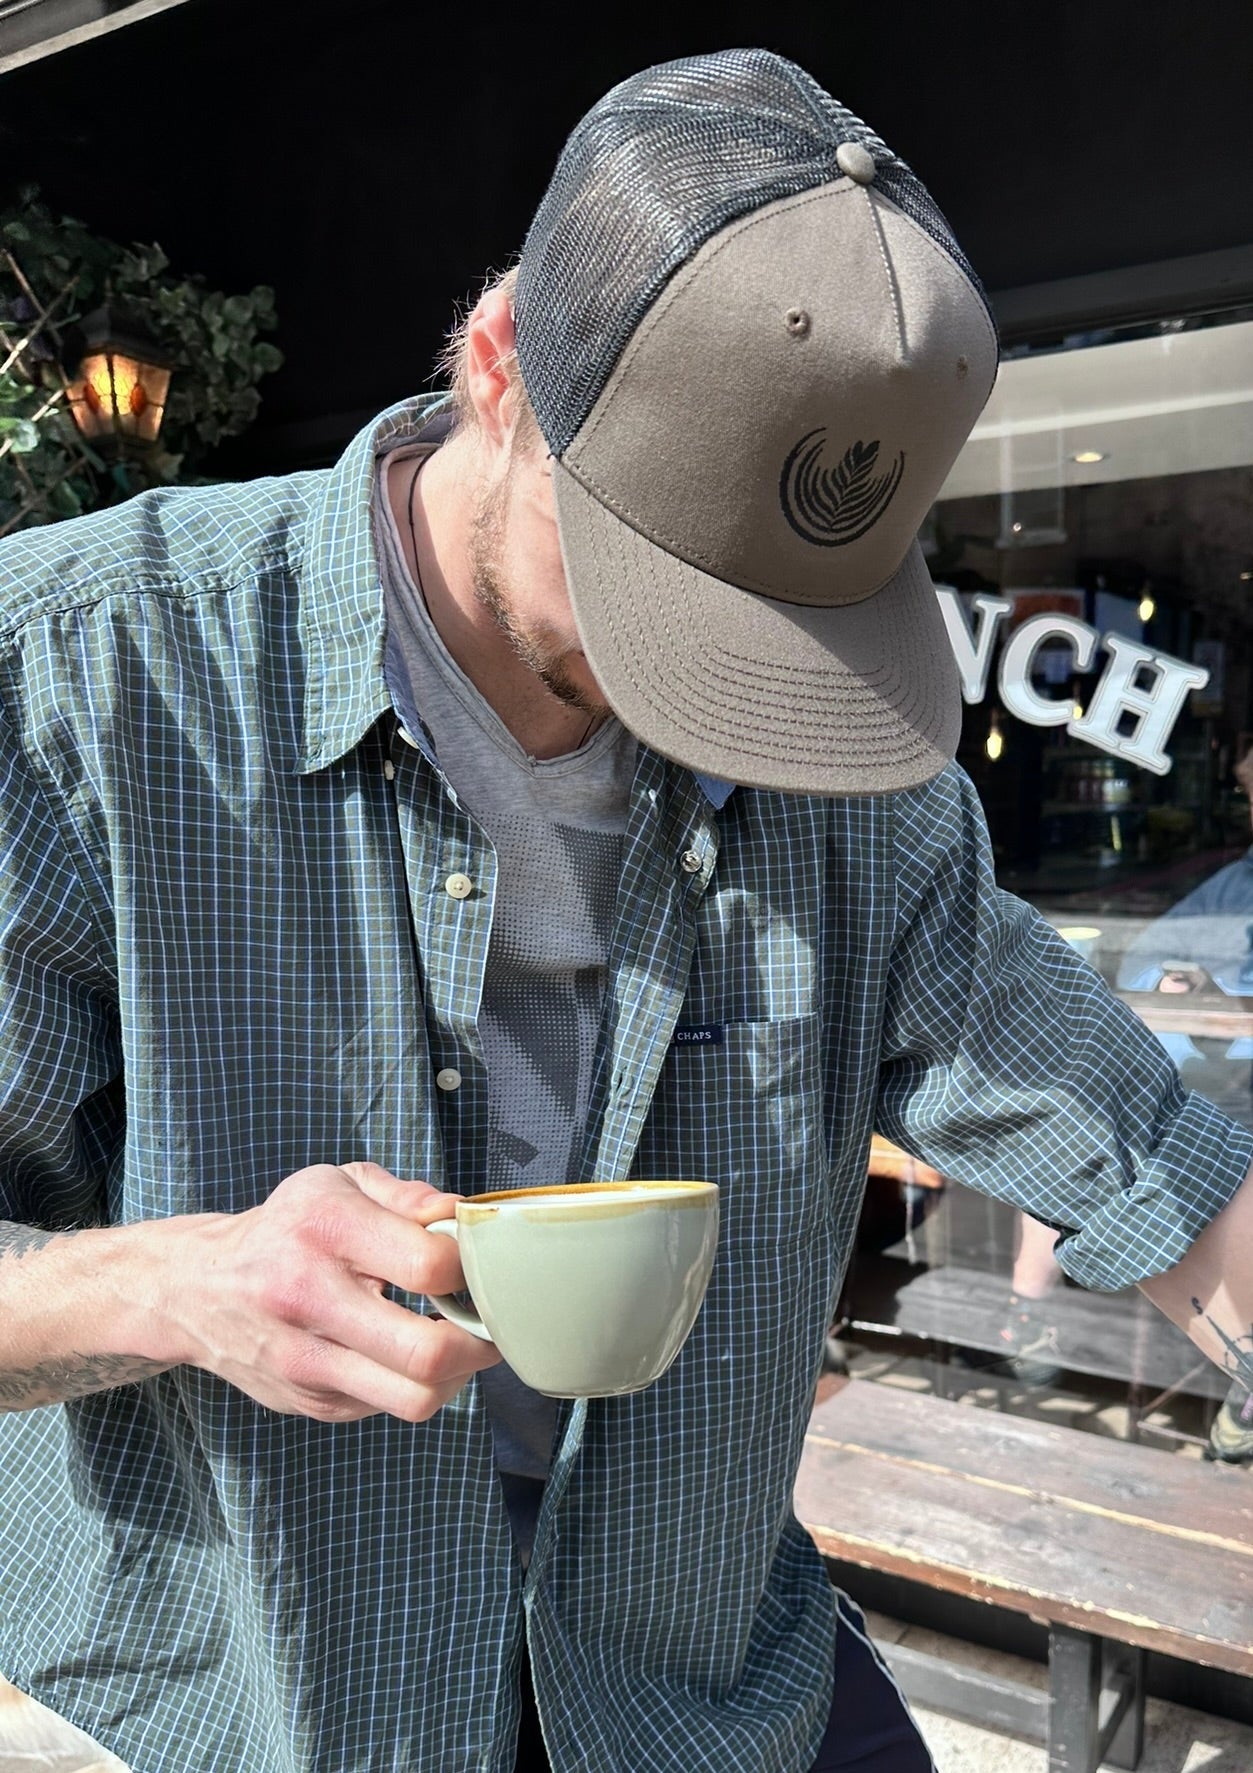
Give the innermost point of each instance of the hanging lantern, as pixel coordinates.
(994, 744)
(118, 391)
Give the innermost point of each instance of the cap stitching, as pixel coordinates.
(871, 690)
(660, 538)
(743, 667)
(723, 718)
(677, 284)
(895, 724)
(893, 292)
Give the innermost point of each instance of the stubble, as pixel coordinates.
(536, 645)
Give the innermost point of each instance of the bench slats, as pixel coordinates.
(1111, 1335)
(1105, 1536)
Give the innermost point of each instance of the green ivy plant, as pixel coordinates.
(53, 272)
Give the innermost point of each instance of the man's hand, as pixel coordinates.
(285, 1300)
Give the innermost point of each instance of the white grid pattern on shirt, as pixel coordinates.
(209, 875)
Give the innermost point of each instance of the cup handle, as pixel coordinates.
(464, 1316)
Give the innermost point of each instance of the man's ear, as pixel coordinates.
(490, 344)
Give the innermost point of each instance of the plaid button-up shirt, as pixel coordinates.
(226, 951)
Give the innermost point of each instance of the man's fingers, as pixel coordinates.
(412, 1200)
(422, 1349)
(376, 1228)
(378, 1245)
(289, 1301)
(439, 1360)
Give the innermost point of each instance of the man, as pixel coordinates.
(558, 787)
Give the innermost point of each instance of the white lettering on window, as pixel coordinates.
(1156, 707)
(1117, 698)
(1019, 655)
(973, 652)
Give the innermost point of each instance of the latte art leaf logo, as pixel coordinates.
(834, 506)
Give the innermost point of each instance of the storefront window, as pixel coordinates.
(1094, 549)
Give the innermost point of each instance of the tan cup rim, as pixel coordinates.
(559, 1192)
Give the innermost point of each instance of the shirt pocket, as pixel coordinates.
(745, 1110)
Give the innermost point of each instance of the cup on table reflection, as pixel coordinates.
(1084, 938)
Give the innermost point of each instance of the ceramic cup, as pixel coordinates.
(588, 1289)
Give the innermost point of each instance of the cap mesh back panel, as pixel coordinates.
(662, 163)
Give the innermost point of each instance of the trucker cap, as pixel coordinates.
(754, 350)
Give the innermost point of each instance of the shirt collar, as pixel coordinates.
(716, 792)
(341, 605)
(341, 613)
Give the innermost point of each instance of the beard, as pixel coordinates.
(537, 645)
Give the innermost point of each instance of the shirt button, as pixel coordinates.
(459, 886)
(691, 861)
(448, 1079)
(389, 770)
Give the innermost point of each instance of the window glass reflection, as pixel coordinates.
(1094, 553)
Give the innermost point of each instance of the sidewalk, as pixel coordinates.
(1176, 1740)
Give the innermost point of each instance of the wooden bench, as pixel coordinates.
(1117, 1336)
(1119, 1549)
(961, 1298)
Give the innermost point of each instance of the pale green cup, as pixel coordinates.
(588, 1289)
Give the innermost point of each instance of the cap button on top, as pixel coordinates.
(459, 886)
(857, 162)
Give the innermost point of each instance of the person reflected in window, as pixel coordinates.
(1206, 940)
(1207, 935)
(1032, 1350)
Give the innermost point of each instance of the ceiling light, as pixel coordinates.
(1086, 456)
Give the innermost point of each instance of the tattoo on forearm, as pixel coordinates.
(20, 1240)
(1238, 1356)
(73, 1375)
(70, 1375)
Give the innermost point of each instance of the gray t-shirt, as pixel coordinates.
(556, 825)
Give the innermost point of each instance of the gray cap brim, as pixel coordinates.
(860, 699)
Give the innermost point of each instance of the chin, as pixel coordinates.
(572, 681)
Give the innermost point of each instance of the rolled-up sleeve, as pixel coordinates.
(1009, 1065)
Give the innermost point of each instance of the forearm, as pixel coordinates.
(1210, 1292)
(80, 1311)
(286, 1300)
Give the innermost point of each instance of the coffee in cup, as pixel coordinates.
(588, 1289)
